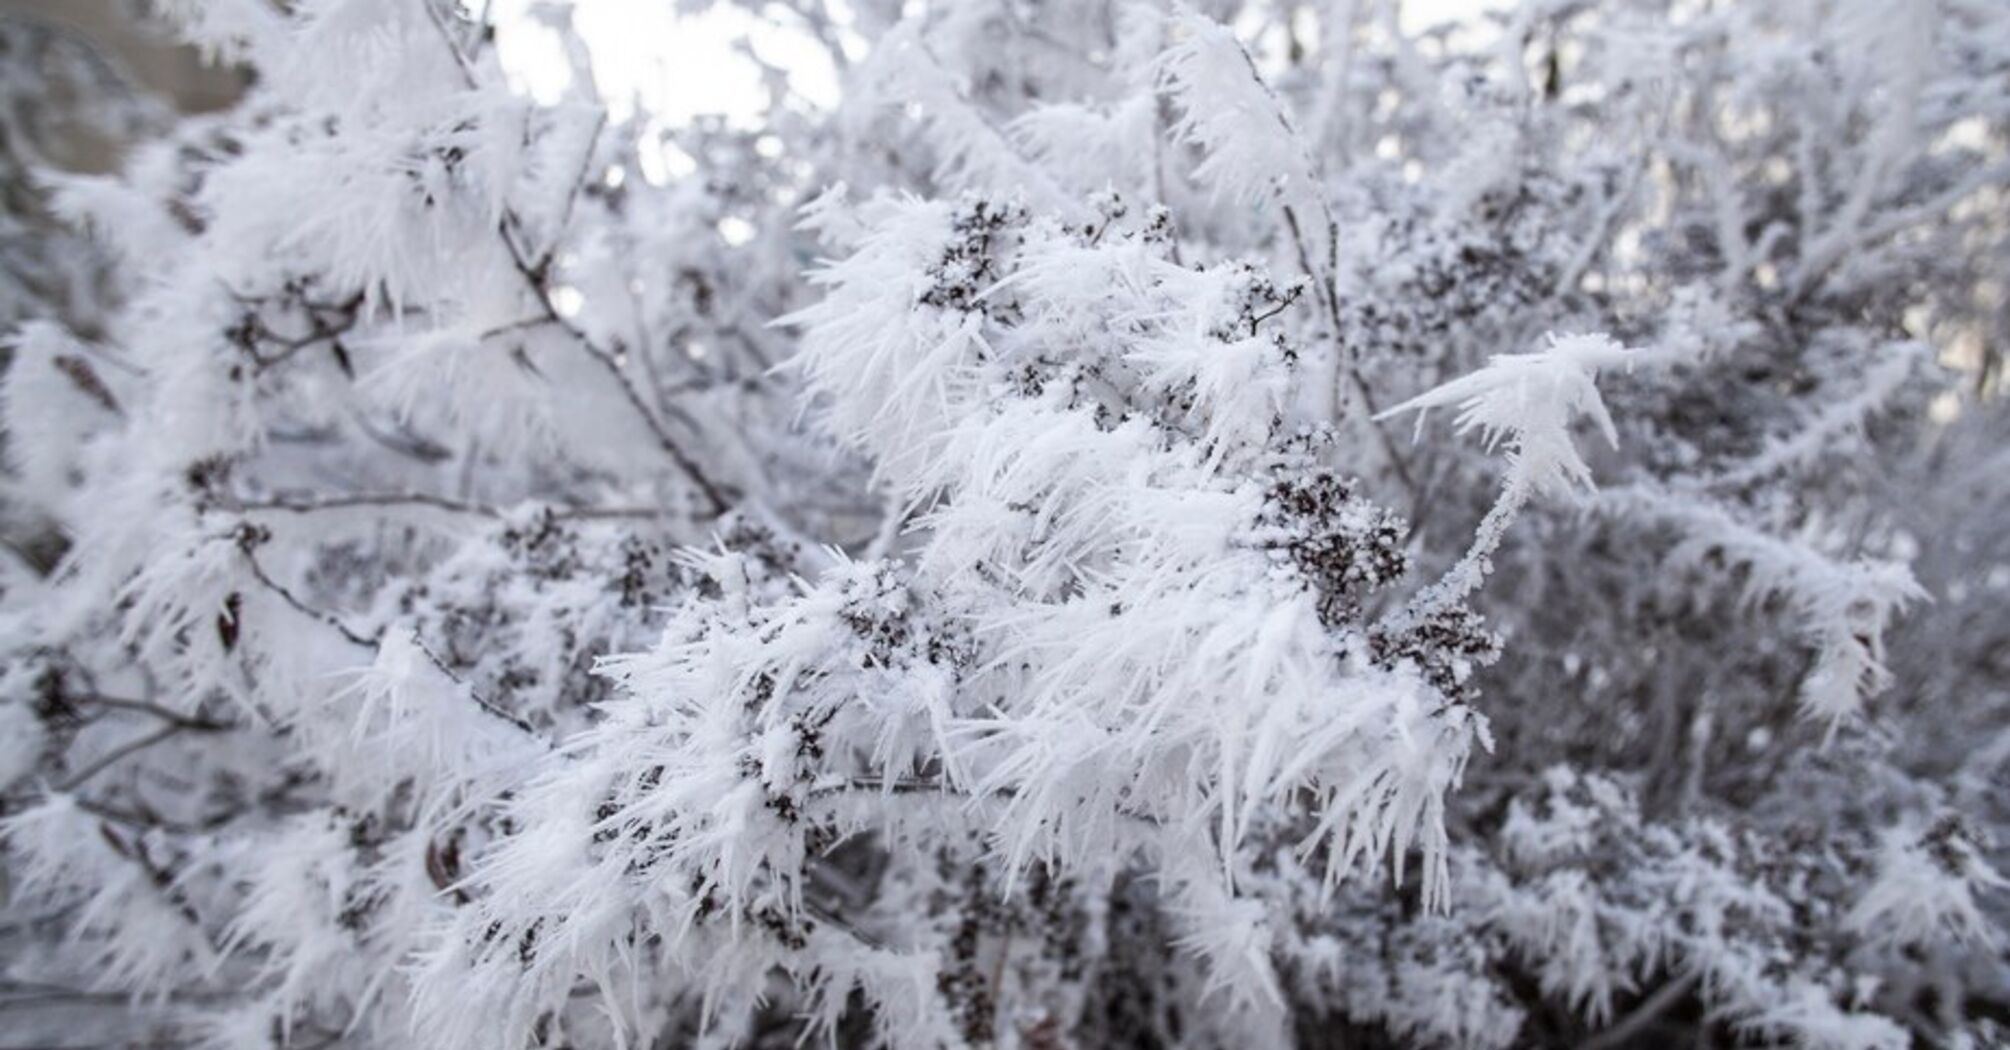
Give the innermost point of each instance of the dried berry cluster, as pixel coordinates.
(971, 262)
(1342, 545)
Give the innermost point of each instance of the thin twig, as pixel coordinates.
(514, 326)
(1331, 301)
(112, 757)
(200, 725)
(327, 619)
(283, 504)
(375, 644)
(1622, 1032)
(572, 196)
(351, 500)
(536, 276)
(1834, 247)
(152, 821)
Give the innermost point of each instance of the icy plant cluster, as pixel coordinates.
(1219, 525)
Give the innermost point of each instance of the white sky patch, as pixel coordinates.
(679, 67)
(674, 66)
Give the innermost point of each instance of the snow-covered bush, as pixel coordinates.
(979, 563)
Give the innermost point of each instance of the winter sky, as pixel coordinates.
(683, 66)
